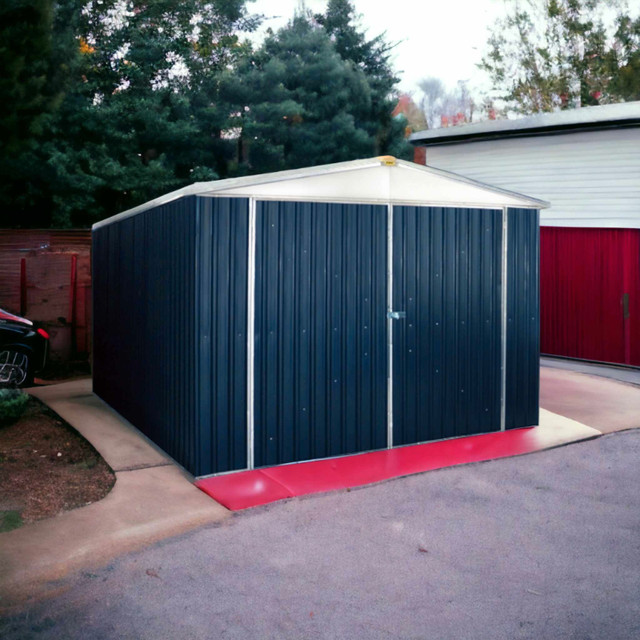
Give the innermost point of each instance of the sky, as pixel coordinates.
(441, 38)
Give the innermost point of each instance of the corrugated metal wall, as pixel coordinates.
(222, 364)
(145, 325)
(523, 319)
(171, 315)
(590, 284)
(321, 354)
(170, 353)
(446, 352)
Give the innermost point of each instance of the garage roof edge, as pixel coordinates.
(596, 118)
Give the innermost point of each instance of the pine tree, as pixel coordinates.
(37, 56)
(315, 92)
(373, 56)
(25, 49)
(140, 114)
(299, 101)
(136, 121)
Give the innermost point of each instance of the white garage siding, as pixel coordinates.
(591, 178)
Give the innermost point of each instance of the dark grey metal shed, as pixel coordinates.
(318, 312)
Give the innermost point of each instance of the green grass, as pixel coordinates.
(13, 402)
(10, 520)
(89, 463)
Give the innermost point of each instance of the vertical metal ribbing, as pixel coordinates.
(503, 329)
(390, 326)
(251, 316)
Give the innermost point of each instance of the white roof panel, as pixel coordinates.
(376, 180)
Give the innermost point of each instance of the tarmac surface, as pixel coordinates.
(542, 546)
(545, 545)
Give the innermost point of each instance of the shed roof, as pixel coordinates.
(626, 114)
(381, 180)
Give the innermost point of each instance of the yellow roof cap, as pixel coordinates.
(388, 161)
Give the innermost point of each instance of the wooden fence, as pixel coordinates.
(45, 275)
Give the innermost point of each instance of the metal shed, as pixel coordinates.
(318, 312)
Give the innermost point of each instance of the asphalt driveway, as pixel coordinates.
(545, 549)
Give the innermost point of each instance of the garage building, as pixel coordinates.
(586, 162)
(318, 312)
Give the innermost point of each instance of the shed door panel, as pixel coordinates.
(446, 351)
(320, 330)
(222, 354)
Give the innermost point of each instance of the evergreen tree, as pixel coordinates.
(140, 116)
(109, 103)
(315, 92)
(550, 54)
(299, 101)
(340, 21)
(37, 56)
(135, 124)
(25, 49)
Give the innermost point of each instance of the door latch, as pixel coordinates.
(625, 306)
(396, 315)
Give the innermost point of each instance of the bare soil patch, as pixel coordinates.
(47, 467)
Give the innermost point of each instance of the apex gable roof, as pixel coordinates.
(381, 180)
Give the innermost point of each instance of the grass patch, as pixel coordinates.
(13, 403)
(10, 520)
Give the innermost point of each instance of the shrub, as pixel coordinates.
(13, 402)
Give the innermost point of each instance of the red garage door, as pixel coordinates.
(590, 293)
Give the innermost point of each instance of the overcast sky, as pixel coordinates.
(442, 38)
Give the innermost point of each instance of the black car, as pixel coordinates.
(23, 350)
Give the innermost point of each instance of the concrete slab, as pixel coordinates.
(604, 404)
(116, 440)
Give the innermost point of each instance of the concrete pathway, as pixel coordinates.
(602, 403)
(542, 547)
(134, 514)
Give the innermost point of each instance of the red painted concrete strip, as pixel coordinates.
(243, 489)
(252, 488)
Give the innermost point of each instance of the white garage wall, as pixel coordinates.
(591, 179)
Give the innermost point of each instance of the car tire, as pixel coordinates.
(15, 368)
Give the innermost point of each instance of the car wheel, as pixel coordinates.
(14, 368)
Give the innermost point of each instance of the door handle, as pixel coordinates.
(396, 315)
(625, 306)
